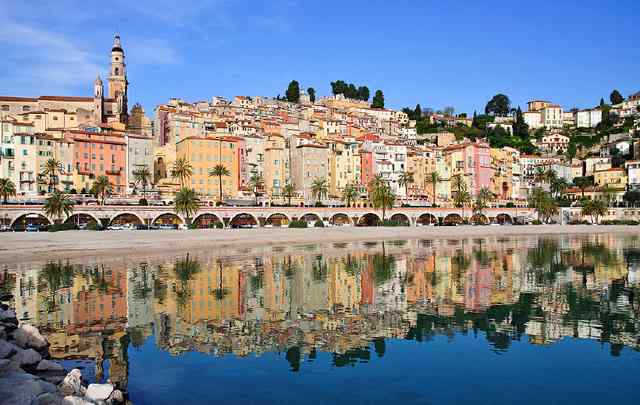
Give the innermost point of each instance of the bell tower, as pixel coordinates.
(118, 78)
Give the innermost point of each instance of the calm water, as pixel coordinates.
(528, 320)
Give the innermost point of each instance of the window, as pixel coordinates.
(26, 108)
(5, 107)
(24, 152)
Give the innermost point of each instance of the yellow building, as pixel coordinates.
(614, 177)
(276, 164)
(204, 154)
(344, 166)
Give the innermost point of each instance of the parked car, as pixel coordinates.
(32, 228)
(5, 228)
(115, 227)
(168, 226)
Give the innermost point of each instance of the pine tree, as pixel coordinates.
(293, 92)
(312, 94)
(378, 100)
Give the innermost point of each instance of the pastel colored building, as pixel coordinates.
(98, 154)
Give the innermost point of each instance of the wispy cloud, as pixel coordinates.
(151, 52)
(38, 59)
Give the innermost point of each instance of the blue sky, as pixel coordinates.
(430, 52)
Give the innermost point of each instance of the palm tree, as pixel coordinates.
(142, 176)
(57, 205)
(7, 189)
(540, 176)
(319, 189)
(181, 170)
(101, 188)
(404, 180)
(219, 171)
(255, 183)
(288, 191)
(433, 178)
(382, 197)
(187, 203)
(457, 183)
(221, 291)
(558, 186)
(50, 171)
(349, 194)
(461, 199)
(482, 200)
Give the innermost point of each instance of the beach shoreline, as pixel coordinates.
(20, 247)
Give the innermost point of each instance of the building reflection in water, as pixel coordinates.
(346, 299)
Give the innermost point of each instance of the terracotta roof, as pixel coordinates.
(12, 98)
(67, 98)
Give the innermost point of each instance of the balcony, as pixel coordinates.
(114, 172)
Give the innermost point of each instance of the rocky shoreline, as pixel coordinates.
(29, 377)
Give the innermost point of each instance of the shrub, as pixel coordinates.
(61, 227)
(319, 224)
(93, 226)
(143, 201)
(619, 222)
(536, 222)
(510, 205)
(389, 222)
(298, 224)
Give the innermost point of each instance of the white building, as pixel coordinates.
(633, 173)
(552, 116)
(589, 118)
(533, 119)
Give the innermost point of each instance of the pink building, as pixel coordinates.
(472, 160)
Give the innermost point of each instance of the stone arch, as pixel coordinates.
(310, 217)
(168, 218)
(244, 219)
(452, 218)
(126, 218)
(503, 218)
(479, 219)
(401, 218)
(82, 217)
(207, 220)
(340, 219)
(277, 219)
(369, 219)
(426, 219)
(29, 218)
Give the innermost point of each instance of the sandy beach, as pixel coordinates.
(25, 247)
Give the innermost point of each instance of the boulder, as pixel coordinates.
(8, 315)
(72, 384)
(116, 397)
(73, 400)
(48, 398)
(18, 387)
(27, 358)
(28, 336)
(48, 365)
(99, 392)
(7, 349)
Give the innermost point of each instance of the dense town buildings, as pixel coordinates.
(343, 141)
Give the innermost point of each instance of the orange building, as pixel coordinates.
(98, 154)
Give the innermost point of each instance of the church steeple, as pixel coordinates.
(118, 83)
(98, 101)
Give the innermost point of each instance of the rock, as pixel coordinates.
(8, 315)
(73, 400)
(72, 384)
(6, 297)
(7, 349)
(116, 397)
(5, 364)
(3, 333)
(99, 392)
(48, 398)
(18, 387)
(27, 358)
(48, 365)
(28, 336)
